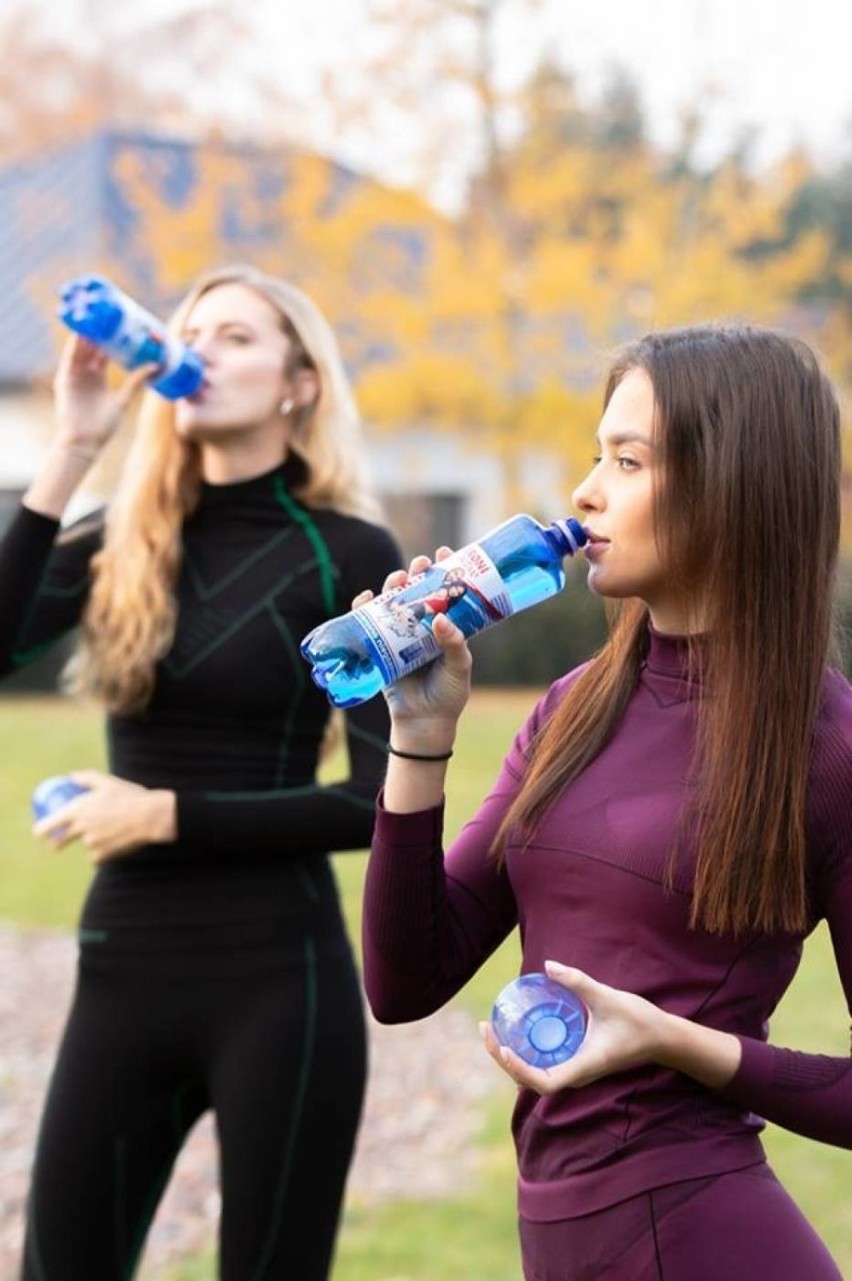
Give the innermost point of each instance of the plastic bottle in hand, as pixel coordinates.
(52, 793)
(129, 334)
(511, 568)
(543, 1022)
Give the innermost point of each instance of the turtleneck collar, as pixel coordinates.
(668, 659)
(243, 493)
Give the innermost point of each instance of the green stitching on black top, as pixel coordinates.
(327, 571)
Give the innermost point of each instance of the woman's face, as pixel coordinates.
(617, 502)
(239, 336)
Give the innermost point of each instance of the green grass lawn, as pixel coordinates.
(473, 1236)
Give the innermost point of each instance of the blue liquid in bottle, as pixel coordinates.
(52, 793)
(129, 334)
(541, 1021)
(516, 565)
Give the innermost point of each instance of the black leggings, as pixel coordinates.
(270, 1036)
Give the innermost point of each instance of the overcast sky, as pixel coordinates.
(781, 67)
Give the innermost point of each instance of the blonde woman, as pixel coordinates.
(215, 972)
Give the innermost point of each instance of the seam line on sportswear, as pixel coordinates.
(301, 1091)
(327, 569)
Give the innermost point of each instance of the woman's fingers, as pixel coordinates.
(132, 383)
(521, 1073)
(78, 360)
(59, 828)
(452, 640)
(569, 976)
(418, 565)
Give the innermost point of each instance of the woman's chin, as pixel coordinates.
(605, 585)
(596, 582)
(195, 429)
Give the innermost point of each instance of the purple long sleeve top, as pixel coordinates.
(588, 890)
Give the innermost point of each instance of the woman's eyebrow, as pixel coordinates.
(626, 438)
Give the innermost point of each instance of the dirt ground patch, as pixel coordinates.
(424, 1103)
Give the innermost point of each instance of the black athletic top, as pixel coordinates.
(235, 723)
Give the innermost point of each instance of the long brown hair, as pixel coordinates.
(130, 618)
(747, 510)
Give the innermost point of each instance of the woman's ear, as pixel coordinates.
(306, 388)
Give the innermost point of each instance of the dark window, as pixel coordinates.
(423, 522)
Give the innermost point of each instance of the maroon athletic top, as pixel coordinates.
(588, 891)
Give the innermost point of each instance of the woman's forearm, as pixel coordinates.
(412, 784)
(706, 1054)
(58, 480)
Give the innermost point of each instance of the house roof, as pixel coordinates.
(153, 212)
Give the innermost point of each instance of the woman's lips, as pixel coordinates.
(595, 546)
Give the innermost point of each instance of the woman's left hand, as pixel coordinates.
(623, 1031)
(112, 817)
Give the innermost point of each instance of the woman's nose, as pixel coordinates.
(203, 347)
(585, 497)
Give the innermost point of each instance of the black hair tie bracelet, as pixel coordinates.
(419, 756)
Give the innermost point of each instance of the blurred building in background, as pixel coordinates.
(153, 212)
(477, 345)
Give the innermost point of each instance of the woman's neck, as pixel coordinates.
(226, 465)
(677, 619)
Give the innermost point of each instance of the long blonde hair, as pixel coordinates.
(130, 618)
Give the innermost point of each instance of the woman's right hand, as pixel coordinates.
(426, 705)
(88, 412)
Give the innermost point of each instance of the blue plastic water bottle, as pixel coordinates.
(543, 1022)
(129, 334)
(52, 793)
(511, 568)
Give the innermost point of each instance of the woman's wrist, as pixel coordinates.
(704, 1053)
(428, 757)
(418, 756)
(163, 816)
(63, 470)
(423, 738)
(69, 444)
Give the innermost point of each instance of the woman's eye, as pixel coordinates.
(596, 458)
(626, 463)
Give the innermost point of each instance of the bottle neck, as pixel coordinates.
(566, 536)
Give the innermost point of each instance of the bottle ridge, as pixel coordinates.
(514, 566)
(541, 1021)
(130, 335)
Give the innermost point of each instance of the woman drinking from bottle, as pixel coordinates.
(215, 972)
(672, 821)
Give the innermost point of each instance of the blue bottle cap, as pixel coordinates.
(80, 286)
(89, 307)
(52, 793)
(541, 1021)
(573, 532)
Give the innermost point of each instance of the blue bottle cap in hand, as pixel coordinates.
(52, 793)
(541, 1021)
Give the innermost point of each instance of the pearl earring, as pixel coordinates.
(286, 406)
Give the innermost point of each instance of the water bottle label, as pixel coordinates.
(134, 343)
(466, 587)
